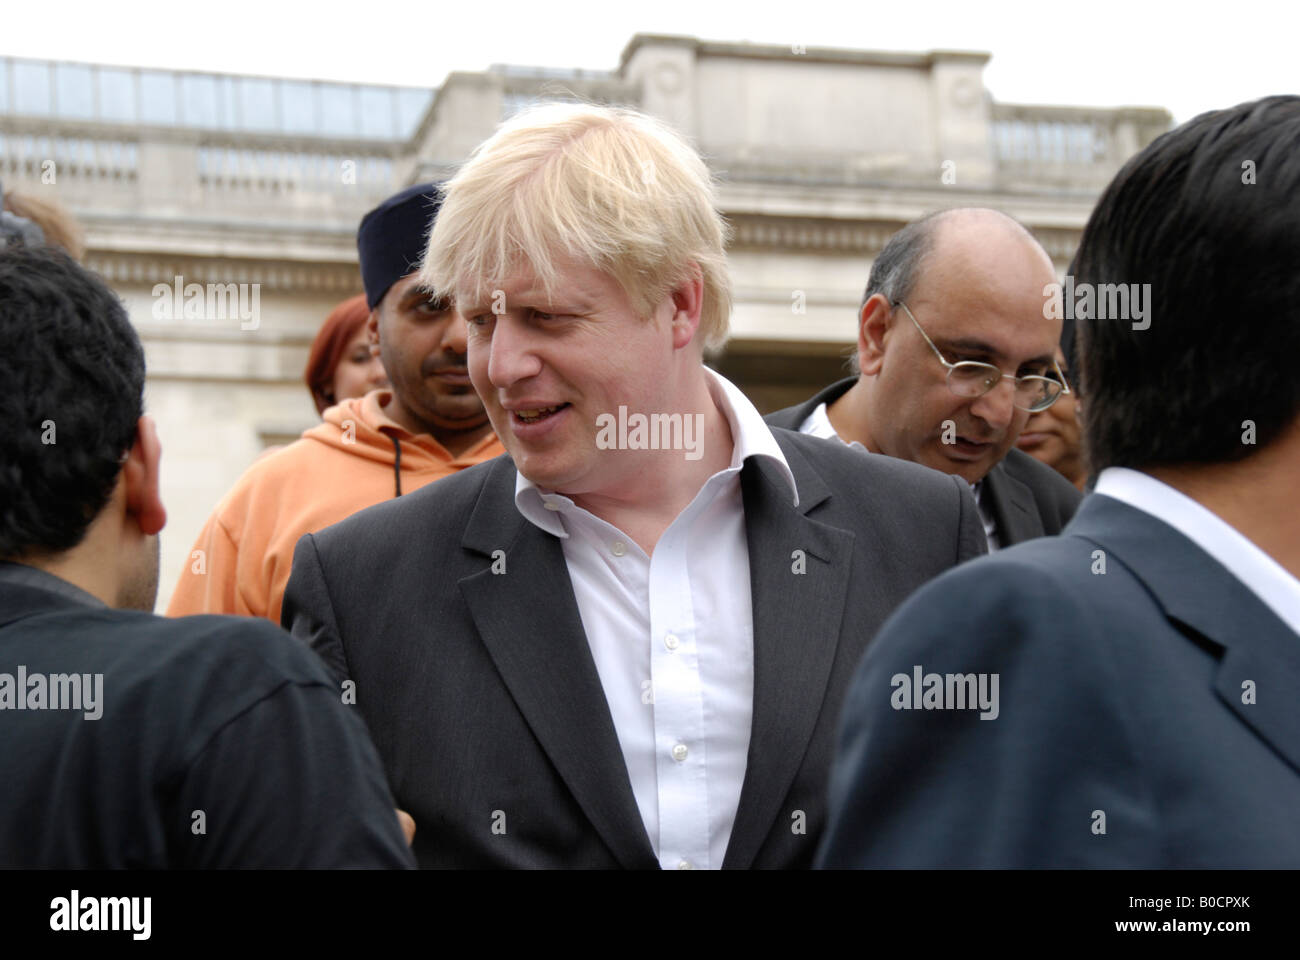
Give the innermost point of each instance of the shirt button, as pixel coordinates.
(683, 864)
(679, 752)
(550, 506)
(619, 548)
(671, 642)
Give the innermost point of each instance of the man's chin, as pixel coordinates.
(452, 420)
(970, 470)
(543, 471)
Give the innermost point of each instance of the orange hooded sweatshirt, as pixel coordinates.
(346, 464)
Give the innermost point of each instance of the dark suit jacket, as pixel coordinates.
(1026, 497)
(481, 693)
(1121, 693)
(226, 716)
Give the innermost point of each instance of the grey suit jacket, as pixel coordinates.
(1147, 714)
(481, 693)
(1026, 497)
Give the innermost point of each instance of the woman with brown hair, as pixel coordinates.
(341, 363)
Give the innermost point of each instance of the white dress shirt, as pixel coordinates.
(1261, 574)
(672, 636)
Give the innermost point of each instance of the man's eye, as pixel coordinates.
(434, 306)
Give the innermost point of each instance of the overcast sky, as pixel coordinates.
(1185, 56)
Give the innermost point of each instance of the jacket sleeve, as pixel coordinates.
(308, 610)
(209, 582)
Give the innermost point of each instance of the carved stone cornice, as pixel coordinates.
(146, 269)
(789, 233)
(865, 237)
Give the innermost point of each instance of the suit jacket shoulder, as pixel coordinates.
(879, 495)
(1100, 721)
(1028, 498)
(791, 418)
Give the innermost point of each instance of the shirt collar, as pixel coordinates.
(750, 435)
(20, 574)
(1263, 575)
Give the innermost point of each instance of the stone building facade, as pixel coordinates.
(255, 186)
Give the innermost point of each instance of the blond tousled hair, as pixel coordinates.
(607, 186)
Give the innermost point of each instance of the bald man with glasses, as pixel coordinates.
(956, 349)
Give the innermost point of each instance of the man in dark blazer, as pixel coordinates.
(956, 335)
(1125, 695)
(602, 651)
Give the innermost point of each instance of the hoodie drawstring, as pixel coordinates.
(397, 464)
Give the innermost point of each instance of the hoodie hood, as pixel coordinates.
(360, 428)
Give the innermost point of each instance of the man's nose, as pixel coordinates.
(997, 407)
(455, 334)
(511, 356)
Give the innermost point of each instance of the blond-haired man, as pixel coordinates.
(626, 644)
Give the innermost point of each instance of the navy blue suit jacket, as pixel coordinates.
(1124, 704)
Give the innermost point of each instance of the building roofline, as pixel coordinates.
(774, 51)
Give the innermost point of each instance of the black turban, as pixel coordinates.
(392, 238)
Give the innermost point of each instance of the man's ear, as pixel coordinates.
(141, 473)
(372, 326)
(874, 321)
(688, 305)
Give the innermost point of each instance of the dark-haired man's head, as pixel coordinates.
(421, 336)
(78, 459)
(971, 281)
(1209, 216)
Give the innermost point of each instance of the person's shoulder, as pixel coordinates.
(435, 509)
(869, 473)
(788, 418)
(792, 417)
(271, 474)
(1046, 484)
(240, 649)
(1044, 587)
(192, 673)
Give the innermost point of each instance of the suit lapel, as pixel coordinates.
(1198, 594)
(1012, 505)
(1268, 661)
(529, 621)
(796, 632)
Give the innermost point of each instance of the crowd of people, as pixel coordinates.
(1023, 591)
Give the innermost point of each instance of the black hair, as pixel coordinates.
(895, 269)
(71, 391)
(1208, 215)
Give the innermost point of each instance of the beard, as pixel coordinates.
(139, 589)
